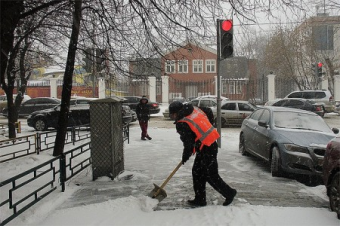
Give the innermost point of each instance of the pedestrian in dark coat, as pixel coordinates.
(205, 167)
(143, 116)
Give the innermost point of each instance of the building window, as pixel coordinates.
(234, 87)
(197, 66)
(231, 88)
(144, 88)
(225, 87)
(170, 66)
(158, 90)
(182, 66)
(210, 66)
(238, 87)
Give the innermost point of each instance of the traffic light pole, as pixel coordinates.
(218, 83)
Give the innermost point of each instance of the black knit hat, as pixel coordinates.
(175, 107)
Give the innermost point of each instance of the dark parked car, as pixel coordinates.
(81, 101)
(79, 115)
(134, 116)
(331, 174)
(3, 100)
(132, 102)
(42, 120)
(34, 104)
(291, 140)
(303, 104)
(127, 114)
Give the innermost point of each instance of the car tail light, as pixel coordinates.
(318, 108)
(331, 99)
(154, 105)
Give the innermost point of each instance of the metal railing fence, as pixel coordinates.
(26, 189)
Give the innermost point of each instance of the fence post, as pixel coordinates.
(38, 142)
(271, 86)
(152, 88)
(165, 89)
(73, 135)
(62, 171)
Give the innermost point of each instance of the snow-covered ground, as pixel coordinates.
(151, 162)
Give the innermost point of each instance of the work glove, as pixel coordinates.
(185, 156)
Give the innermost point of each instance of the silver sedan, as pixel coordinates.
(233, 112)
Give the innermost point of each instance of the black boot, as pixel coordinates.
(142, 138)
(149, 138)
(196, 202)
(230, 198)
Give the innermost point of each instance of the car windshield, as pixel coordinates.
(298, 120)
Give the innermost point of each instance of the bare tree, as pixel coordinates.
(135, 29)
(19, 21)
(67, 85)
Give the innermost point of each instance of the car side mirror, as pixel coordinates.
(263, 124)
(335, 130)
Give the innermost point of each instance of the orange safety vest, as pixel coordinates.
(200, 125)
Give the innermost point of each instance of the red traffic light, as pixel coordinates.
(227, 25)
(319, 64)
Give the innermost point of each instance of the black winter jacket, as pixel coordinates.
(143, 111)
(187, 136)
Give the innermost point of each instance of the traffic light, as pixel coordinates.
(315, 69)
(88, 60)
(226, 39)
(100, 59)
(319, 69)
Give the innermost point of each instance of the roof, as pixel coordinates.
(146, 67)
(188, 43)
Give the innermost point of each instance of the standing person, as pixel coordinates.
(199, 136)
(143, 116)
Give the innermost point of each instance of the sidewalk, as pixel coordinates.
(146, 164)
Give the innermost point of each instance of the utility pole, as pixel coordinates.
(94, 68)
(94, 72)
(218, 83)
(225, 49)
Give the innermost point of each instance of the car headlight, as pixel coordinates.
(296, 148)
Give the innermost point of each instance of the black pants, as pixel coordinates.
(205, 169)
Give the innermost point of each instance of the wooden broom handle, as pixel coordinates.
(173, 172)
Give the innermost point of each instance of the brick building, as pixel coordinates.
(191, 71)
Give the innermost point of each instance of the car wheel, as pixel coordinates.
(223, 122)
(40, 125)
(242, 146)
(334, 194)
(275, 165)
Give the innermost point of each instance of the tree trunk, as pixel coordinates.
(10, 16)
(67, 85)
